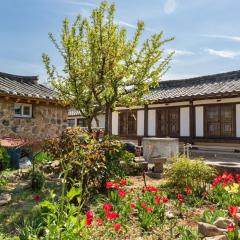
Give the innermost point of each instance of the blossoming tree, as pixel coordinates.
(102, 67)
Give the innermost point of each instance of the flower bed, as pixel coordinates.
(127, 210)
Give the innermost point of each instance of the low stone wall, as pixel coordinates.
(47, 121)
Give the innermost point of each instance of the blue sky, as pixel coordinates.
(207, 32)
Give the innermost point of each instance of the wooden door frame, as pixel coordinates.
(167, 113)
(127, 134)
(233, 115)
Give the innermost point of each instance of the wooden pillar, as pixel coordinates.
(192, 121)
(145, 120)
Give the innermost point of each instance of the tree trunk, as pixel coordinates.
(89, 125)
(97, 121)
(107, 117)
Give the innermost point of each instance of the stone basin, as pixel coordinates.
(157, 150)
(163, 147)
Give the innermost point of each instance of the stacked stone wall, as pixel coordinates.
(48, 120)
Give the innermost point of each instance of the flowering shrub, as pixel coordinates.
(88, 159)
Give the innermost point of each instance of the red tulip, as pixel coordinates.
(109, 184)
(121, 193)
(132, 205)
(188, 190)
(89, 217)
(143, 205)
(116, 186)
(111, 215)
(165, 199)
(117, 226)
(107, 207)
(233, 210)
(180, 198)
(123, 182)
(149, 210)
(230, 228)
(99, 221)
(151, 189)
(157, 199)
(88, 222)
(89, 214)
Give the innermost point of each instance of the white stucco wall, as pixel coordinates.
(199, 121)
(237, 120)
(151, 122)
(140, 122)
(115, 123)
(101, 119)
(185, 122)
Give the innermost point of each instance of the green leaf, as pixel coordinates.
(73, 193)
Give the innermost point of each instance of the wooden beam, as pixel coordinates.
(192, 121)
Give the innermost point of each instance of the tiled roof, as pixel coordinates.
(24, 86)
(74, 112)
(223, 84)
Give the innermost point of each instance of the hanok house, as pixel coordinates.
(29, 109)
(75, 119)
(201, 109)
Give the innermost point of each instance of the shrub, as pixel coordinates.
(4, 159)
(3, 179)
(42, 158)
(190, 173)
(37, 180)
(87, 159)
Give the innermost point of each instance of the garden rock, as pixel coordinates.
(209, 230)
(52, 167)
(219, 237)
(222, 222)
(5, 198)
(169, 215)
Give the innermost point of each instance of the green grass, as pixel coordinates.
(22, 206)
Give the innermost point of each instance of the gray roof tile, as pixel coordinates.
(25, 86)
(217, 84)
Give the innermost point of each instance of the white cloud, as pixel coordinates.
(223, 53)
(177, 76)
(122, 23)
(178, 52)
(227, 37)
(86, 4)
(170, 6)
(126, 24)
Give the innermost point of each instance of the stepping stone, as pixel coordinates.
(5, 198)
(209, 230)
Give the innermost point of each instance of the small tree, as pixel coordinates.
(102, 67)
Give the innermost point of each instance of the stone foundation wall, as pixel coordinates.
(47, 121)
